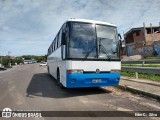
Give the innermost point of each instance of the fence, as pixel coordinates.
(141, 62)
(141, 70)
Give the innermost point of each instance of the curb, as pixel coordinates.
(149, 82)
(141, 92)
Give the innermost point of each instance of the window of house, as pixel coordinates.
(148, 31)
(156, 30)
(137, 33)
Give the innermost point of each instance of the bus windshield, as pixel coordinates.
(92, 41)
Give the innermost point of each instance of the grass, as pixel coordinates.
(151, 58)
(147, 59)
(142, 75)
(140, 65)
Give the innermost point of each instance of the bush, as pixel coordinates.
(142, 75)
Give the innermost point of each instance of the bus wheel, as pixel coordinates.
(48, 71)
(58, 76)
(61, 86)
(58, 80)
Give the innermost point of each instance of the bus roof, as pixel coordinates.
(91, 21)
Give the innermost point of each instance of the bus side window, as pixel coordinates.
(53, 46)
(55, 43)
(67, 33)
(51, 49)
(59, 38)
(63, 35)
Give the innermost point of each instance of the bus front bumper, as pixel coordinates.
(92, 80)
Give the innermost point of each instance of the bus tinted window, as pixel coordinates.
(53, 46)
(55, 43)
(82, 40)
(59, 38)
(106, 37)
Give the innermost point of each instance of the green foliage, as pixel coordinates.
(5, 61)
(27, 57)
(151, 58)
(140, 65)
(142, 75)
(18, 60)
(128, 74)
(37, 58)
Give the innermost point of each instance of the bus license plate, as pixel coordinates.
(96, 80)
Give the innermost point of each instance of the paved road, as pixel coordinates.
(29, 87)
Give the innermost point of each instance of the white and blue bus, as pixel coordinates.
(85, 53)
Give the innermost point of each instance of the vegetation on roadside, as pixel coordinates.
(142, 75)
(5, 60)
(150, 58)
(140, 65)
(37, 58)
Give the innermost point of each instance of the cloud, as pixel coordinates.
(29, 26)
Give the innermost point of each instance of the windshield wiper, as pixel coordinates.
(101, 46)
(89, 52)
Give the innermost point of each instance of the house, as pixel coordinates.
(143, 41)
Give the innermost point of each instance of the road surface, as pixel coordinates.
(29, 87)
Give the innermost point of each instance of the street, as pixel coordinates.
(29, 87)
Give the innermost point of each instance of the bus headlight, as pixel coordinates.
(75, 71)
(115, 71)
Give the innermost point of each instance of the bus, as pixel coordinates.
(85, 53)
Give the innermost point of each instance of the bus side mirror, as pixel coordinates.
(119, 48)
(119, 35)
(120, 43)
(63, 38)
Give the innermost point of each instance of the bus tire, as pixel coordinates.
(61, 86)
(48, 71)
(58, 75)
(58, 80)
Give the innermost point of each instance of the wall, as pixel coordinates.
(130, 50)
(129, 38)
(135, 44)
(157, 47)
(156, 36)
(140, 37)
(148, 51)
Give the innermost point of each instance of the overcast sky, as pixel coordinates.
(29, 26)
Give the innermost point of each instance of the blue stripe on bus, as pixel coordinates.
(88, 80)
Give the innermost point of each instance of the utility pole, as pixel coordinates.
(151, 32)
(159, 26)
(9, 58)
(144, 44)
(124, 43)
(144, 33)
(1, 59)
